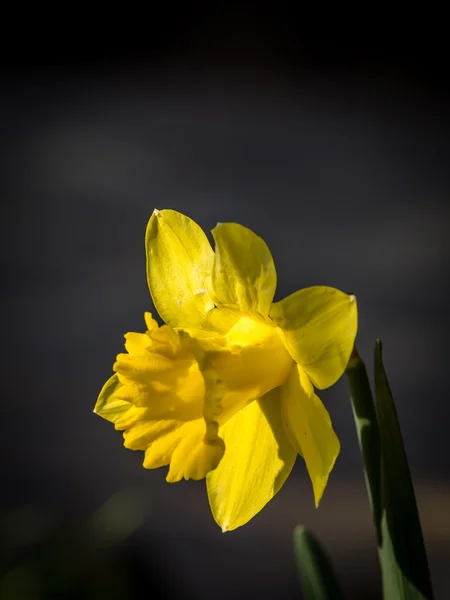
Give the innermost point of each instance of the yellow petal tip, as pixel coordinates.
(352, 298)
(156, 212)
(319, 488)
(318, 499)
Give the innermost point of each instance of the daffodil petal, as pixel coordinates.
(319, 327)
(108, 405)
(308, 426)
(244, 273)
(257, 461)
(179, 258)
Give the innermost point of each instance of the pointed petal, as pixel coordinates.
(319, 327)
(108, 405)
(244, 273)
(179, 258)
(257, 461)
(308, 426)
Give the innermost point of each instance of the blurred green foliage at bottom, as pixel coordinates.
(99, 558)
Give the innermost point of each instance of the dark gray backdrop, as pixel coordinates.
(342, 169)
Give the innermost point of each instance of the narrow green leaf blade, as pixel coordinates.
(368, 433)
(107, 406)
(402, 554)
(317, 577)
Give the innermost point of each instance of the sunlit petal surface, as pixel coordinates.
(256, 463)
(319, 326)
(179, 258)
(243, 274)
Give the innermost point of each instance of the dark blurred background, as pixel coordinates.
(334, 147)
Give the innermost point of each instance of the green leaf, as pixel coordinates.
(317, 577)
(402, 554)
(107, 406)
(401, 549)
(368, 434)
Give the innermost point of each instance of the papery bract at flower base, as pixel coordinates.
(224, 390)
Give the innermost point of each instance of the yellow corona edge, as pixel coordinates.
(224, 390)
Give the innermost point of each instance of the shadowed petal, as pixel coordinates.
(309, 429)
(108, 405)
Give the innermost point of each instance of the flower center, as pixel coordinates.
(253, 362)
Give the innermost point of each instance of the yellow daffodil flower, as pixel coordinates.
(225, 389)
